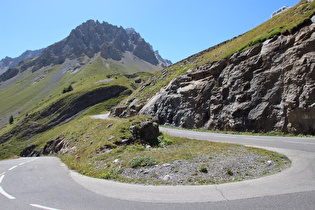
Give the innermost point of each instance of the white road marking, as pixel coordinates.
(21, 164)
(43, 207)
(12, 168)
(2, 173)
(233, 137)
(295, 142)
(6, 194)
(257, 139)
(1, 178)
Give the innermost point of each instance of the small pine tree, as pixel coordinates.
(68, 89)
(11, 119)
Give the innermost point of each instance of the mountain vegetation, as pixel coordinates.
(249, 83)
(97, 64)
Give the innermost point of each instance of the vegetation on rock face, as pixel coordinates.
(287, 22)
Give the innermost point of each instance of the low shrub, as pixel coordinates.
(164, 141)
(229, 172)
(203, 169)
(142, 162)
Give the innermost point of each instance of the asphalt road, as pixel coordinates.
(46, 183)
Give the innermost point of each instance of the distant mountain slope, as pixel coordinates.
(94, 54)
(89, 39)
(8, 62)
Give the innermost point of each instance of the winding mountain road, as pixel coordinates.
(46, 183)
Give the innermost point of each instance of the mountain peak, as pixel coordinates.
(130, 31)
(92, 38)
(111, 41)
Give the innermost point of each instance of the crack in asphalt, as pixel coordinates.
(216, 188)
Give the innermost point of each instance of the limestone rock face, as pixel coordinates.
(270, 87)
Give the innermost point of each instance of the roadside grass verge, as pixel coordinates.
(94, 148)
(111, 162)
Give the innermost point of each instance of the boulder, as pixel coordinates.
(146, 131)
(117, 111)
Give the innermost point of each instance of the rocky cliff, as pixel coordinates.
(269, 87)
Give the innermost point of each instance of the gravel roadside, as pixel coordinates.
(230, 166)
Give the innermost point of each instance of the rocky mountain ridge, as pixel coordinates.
(9, 62)
(89, 39)
(269, 87)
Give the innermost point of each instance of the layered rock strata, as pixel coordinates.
(270, 87)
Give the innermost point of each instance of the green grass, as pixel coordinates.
(142, 162)
(27, 96)
(286, 21)
(96, 161)
(107, 105)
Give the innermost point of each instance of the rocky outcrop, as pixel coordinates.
(54, 146)
(270, 87)
(29, 151)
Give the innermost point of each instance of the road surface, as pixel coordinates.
(46, 183)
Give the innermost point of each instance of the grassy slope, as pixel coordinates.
(26, 96)
(282, 23)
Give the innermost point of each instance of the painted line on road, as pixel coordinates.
(6, 194)
(12, 168)
(231, 137)
(295, 142)
(43, 207)
(1, 178)
(222, 136)
(2, 173)
(257, 139)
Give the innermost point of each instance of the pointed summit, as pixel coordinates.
(93, 37)
(90, 39)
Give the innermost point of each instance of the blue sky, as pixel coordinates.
(177, 28)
